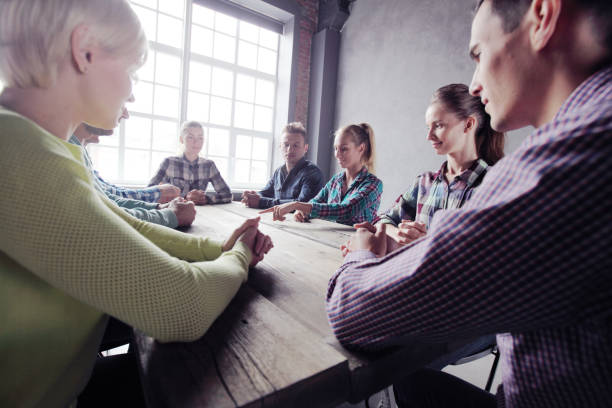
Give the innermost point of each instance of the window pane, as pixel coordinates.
(203, 16)
(243, 146)
(199, 77)
(220, 111)
(225, 24)
(136, 165)
(247, 55)
(138, 132)
(111, 140)
(201, 41)
(260, 148)
(148, 19)
(197, 107)
(221, 164)
(165, 135)
(266, 61)
(268, 39)
(218, 142)
(263, 119)
(146, 72)
(105, 160)
(143, 94)
(265, 92)
(166, 101)
(249, 32)
(168, 69)
(148, 3)
(259, 172)
(170, 31)
(172, 7)
(242, 170)
(243, 116)
(222, 82)
(245, 88)
(225, 48)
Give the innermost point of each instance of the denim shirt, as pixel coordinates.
(302, 183)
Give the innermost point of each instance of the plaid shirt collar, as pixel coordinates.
(469, 176)
(596, 85)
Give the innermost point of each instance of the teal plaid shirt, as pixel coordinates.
(360, 202)
(432, 192)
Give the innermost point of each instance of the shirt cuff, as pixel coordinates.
(315, 211)
(358, 256)
(265, 202)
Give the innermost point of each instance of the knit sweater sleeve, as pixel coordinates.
(71, 237)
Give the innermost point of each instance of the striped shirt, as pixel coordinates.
(528, 257)
(432, 192)
(149, 194)
(195, 175)
(360, 202)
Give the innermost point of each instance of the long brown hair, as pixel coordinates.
(362, 133)
(456, 99)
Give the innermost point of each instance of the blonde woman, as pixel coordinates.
(192, 173)
(351, 196)
(69, 257)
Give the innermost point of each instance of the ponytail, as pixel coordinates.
(362, 134)
(457, 100)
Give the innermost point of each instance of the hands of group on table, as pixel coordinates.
(278, 211)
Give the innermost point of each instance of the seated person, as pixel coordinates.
(69, 257)
(459, 128)
(351, 196)
(172, 214)
(297, 180)
(161, 193)
(191, 173)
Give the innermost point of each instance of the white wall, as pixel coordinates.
(393, 55)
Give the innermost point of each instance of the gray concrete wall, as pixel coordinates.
(393, 55)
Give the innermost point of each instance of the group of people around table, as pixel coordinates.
(516, 247)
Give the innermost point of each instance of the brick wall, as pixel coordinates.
(307, 26)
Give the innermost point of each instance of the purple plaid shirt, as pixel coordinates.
(528, 257)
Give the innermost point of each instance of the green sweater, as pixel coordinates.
(69, 257)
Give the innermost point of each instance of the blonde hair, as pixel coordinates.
(362, 133)
(35, 36)
(295, 128)
(190, 124)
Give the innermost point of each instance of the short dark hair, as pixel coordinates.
(510, 11)
(513, 11)
(295, 128)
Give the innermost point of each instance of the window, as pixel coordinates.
(203, 65)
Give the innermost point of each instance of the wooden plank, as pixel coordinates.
(254, 355)
(294, 277)
(325, 232)
(289, 276)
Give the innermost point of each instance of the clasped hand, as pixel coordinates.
(259, 243)
(367, 237)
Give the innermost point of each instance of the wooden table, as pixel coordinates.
(272, 346)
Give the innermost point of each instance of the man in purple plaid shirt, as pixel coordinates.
(528, 257)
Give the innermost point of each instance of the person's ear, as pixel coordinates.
(470, 124)
(306, 148)
(80, 48)
(544, 17)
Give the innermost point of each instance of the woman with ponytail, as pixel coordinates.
(459, 128)
(351, 196)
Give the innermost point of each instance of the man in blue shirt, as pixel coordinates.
(297, 180)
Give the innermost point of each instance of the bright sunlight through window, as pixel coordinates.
(218, 70)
